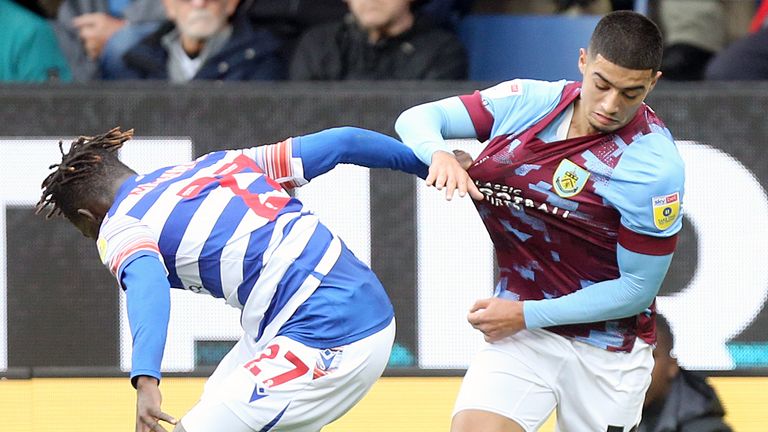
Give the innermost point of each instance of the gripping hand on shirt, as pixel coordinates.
(497, 318)
(464, 158)
(447, 172)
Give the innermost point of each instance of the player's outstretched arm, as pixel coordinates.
(296, 161)
(424, 128)
(322, 151)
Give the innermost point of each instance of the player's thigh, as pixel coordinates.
(340, 380)
(254, 387)
(291, 386)
(240, 353)
(501, 392)
(604, 391)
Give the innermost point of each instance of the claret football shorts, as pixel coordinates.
(288, 386)
(527, 376)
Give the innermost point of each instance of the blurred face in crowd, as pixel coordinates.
(611, 94)
(381, 14)
(200, 19)
(665, 369)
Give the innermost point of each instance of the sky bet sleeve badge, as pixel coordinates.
(569, 179)
(666, 208)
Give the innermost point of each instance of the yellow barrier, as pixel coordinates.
(403, 404)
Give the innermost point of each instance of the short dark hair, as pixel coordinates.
(629, 40)
(85, 172)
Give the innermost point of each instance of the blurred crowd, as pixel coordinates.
(183, 40)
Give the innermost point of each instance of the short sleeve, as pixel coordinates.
(511, 106)
(647, 188)
(121, 240)
(280, 161)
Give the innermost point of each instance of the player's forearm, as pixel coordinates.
(630, 294)
(322, 151)
(424, 128)
(148, 301)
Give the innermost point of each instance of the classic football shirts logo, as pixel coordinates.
(501, 195)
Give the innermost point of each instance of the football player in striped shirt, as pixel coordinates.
(318, 326)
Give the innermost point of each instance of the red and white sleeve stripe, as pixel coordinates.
(143, 244)
(278, 163)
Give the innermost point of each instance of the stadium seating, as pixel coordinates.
(503, 47)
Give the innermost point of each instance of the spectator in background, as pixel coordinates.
(289, 19)
(379, 40)
(695, 30)
(678, 400)
(95, 34)
(546, 7)
(29, 51)
(747, 58)
(201, 43)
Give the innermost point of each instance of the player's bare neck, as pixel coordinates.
(118, 182)
(579, 126)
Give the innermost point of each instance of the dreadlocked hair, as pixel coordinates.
(86, 160)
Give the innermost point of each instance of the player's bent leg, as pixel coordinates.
(476, 420)
(502, 391)
(290, 386)
(336, 389)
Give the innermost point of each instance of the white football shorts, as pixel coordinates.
(288, 386)
(526, 376)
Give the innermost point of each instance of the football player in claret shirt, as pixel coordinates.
(580, 188)
(318, 326)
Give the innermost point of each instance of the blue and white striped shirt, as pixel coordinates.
(224, 225)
